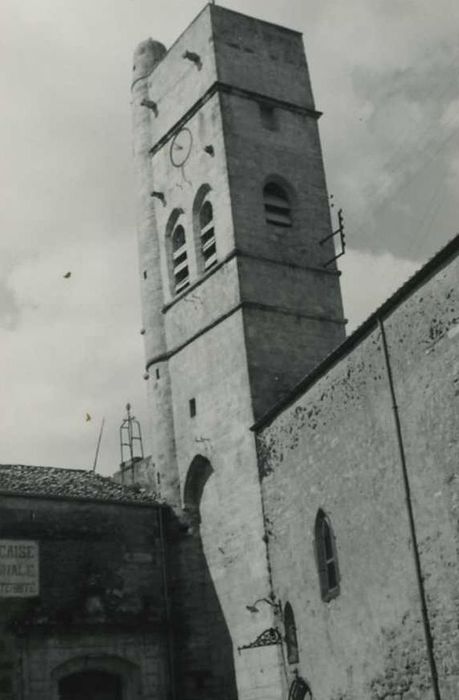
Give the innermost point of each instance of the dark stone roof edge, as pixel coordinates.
(449, 251)
(82, 499)
(228, 10)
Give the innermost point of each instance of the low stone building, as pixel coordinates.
(104, 593)
(82, 603)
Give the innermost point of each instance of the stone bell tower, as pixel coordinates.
(238, 304)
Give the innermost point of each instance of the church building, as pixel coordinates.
(293, 534)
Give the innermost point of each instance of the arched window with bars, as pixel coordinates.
(327, 559)
(180, 267)
(278, 209)
(291, 639)
(207, 234)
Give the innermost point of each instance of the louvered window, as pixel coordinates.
(180, 260)
(277, 205)
(207, 235)
(327, 560)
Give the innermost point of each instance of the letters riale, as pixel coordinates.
(19, 568)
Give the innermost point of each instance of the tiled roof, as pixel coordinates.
(77, 484)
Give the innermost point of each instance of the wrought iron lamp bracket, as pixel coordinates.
(267, 638)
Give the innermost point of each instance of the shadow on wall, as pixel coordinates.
(204, 666)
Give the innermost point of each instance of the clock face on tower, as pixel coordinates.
(181, 147)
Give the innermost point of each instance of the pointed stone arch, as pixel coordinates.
(326, 556)
(199, 472)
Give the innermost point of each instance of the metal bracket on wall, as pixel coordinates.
(340, 231)
(159, 195)
(194, 58)
(267, 638)
(151, 105)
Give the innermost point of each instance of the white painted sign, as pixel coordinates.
(19, 569)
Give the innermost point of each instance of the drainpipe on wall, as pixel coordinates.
(412, 525)
(170, 637)
(21, 668)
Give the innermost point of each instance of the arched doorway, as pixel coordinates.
(199, 472)
(91, 685)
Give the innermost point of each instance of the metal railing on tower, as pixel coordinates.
(131, 444)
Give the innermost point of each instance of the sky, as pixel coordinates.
(384, 73)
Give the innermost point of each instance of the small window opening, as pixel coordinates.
(268, 116)
(291, 639)
(180, 260)
(327, 559)
(192, 408)
(145, 274)
(207, 234)
(277, 205)
(157, 373)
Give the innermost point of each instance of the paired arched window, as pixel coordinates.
(204, 240)
(291, 640)
(277, 205)
(327, 560)
(207, 234)
(180, 268)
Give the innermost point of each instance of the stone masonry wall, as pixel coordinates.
(293, 314)
(335, 448)
(137, 656)
(423, 336)
(212, 371)
(203, 649)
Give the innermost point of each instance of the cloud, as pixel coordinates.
(387, 82)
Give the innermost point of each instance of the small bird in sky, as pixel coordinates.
(88, 418)
(67, 275)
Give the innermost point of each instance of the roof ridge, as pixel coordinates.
(66, 483)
